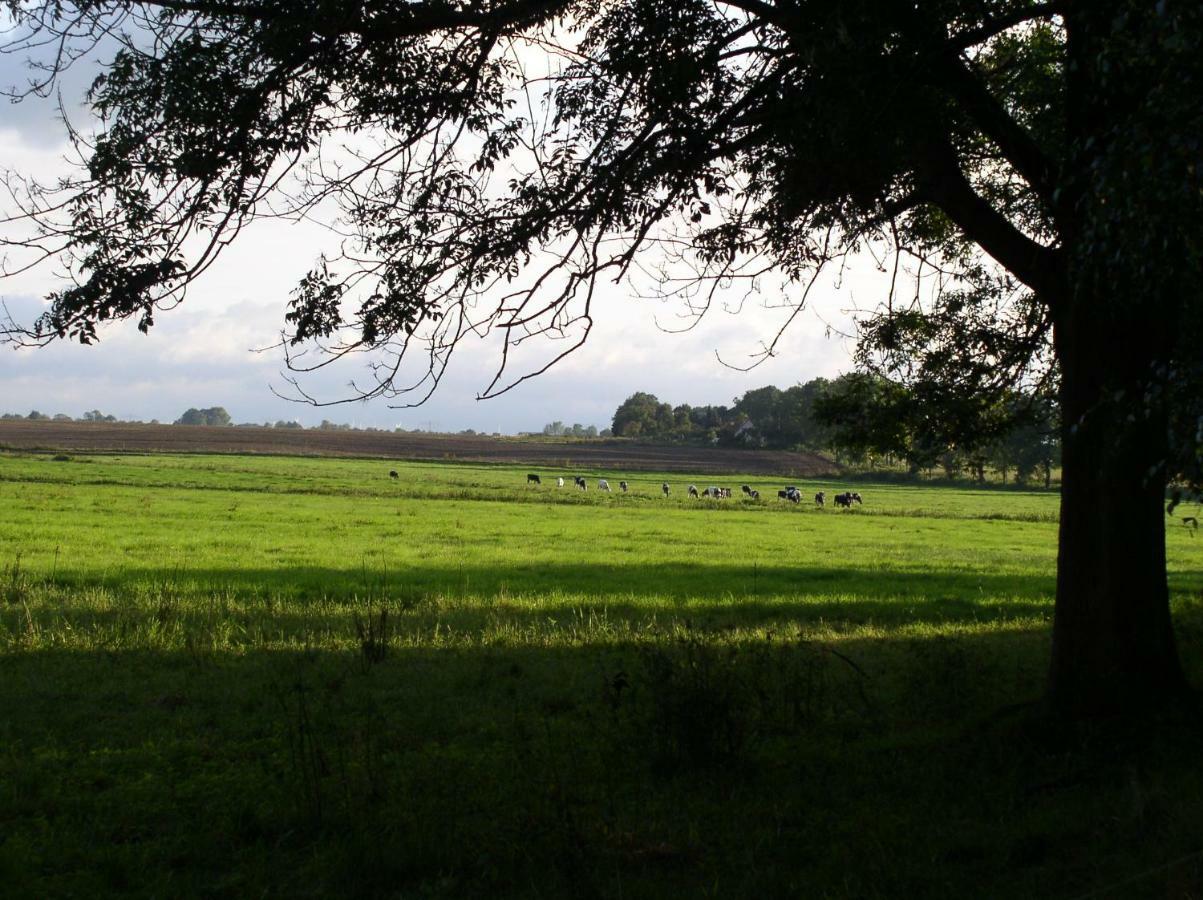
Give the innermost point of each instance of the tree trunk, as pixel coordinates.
(1113, 643)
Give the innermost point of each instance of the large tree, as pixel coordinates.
(492, 160)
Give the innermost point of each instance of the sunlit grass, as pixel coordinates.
(453, 683)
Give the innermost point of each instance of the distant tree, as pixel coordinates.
(799, 427)
(280, 423)
(1030, 446)
(36, 416)
(761, 416)
(95, 415)
(62, 417)
(214, 415)
(868, 415)
(637, 415)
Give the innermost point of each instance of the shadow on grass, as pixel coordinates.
(429, 757)
(866, 767)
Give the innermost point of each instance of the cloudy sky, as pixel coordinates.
(204, 353)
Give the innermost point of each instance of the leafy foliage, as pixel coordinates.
(215, 415)
(465, 145)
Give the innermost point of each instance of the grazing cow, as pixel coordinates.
(580, 482)
(783, 495)
(746, 489)
(754, 494)
(821, 498)
(603, 485)
(559, 482)
(393, 474)
(625, 487)
(856, 497)
(693, 490)
(724, 492)
(533, 479)
(664, 488)
(844, 500)
(793, 495)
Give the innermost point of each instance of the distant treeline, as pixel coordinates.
(866, 421)
(218, 416)
(559, 429)
(92, 415)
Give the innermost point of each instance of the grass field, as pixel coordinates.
(271, 676)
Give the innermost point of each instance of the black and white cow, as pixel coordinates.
(393, 474)
(746, 488)
(821, 498)
(664, 488)
(693, 490)
(580, 482)
(603, 485)
(560, 482)
(532, 478)
(625, 487)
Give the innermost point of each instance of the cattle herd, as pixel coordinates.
(790, 493)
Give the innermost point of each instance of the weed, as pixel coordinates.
(307, 757)
(16, 583)
(373, 633)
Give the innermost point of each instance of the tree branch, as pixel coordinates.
(1020, 149)
(971, 37)
(1039, 267)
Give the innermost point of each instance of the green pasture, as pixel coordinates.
(269, 676)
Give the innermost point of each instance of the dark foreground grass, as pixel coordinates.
(302, 691)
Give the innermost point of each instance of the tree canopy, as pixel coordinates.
(214, 415)
(491, 162)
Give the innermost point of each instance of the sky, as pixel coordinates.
(210, 351)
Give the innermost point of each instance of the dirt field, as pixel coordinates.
(594, 454)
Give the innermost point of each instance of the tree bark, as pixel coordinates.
(1113, 643)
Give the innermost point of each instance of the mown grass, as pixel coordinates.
(242, 676)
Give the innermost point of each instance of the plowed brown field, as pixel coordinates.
(598, 454)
